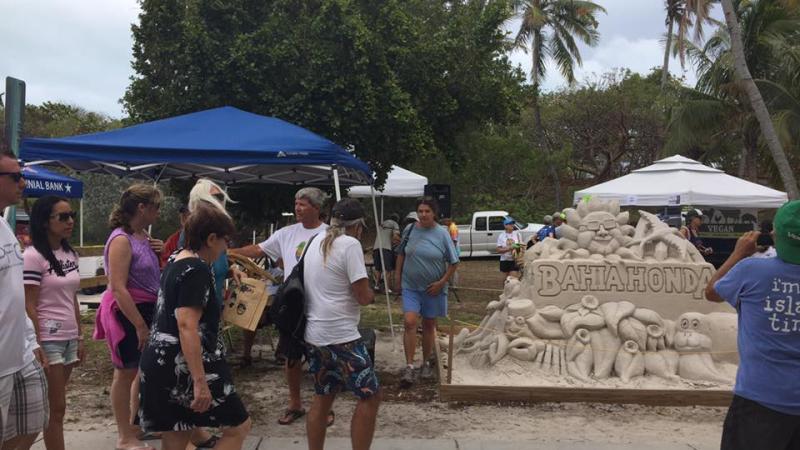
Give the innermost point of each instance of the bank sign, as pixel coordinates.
(40, 182)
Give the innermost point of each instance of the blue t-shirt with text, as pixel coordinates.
(427, 253)
(766, 292)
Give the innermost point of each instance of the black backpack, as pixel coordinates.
(288, 309)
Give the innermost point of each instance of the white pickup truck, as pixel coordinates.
(480, 238)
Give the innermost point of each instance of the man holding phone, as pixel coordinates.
(765, 411)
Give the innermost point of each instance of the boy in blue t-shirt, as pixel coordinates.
(765, 412)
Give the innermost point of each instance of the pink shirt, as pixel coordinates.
(56, 305)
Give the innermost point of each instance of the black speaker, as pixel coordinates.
(441, 193)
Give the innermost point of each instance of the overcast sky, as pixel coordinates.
(79, 51)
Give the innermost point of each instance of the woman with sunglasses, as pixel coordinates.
(51, 280)
(126, 310)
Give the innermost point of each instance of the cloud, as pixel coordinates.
(76, 52)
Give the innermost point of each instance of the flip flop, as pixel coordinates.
(290, 415)
(138, 447)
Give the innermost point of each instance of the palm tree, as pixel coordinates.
(757, 101)
(716, 119)
(686, 14)
(550, 28)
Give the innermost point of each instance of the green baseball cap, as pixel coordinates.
(787, 232)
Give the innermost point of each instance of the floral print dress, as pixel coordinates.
(166, 388)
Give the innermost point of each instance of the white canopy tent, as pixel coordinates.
(678, 180)
(400, 182)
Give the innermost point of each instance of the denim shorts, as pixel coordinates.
(61, 352)
(429, 307)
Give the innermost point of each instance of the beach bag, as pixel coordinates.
(288, 310)
(246, 304)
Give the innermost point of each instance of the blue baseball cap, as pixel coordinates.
(508, 221)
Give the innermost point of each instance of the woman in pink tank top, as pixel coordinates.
(126, 311)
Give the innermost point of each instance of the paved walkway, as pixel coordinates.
(102, 440)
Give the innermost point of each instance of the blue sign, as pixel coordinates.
(40, 182)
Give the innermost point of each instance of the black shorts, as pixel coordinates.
(388, 259)
(751, 426)
(129, 345)
(508, 266)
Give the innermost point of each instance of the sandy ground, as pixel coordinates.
(416, 413)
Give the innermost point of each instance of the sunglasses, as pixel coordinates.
(220, 197)
(15, 176)
(65, 216)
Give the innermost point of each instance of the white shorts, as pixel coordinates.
(23, 402)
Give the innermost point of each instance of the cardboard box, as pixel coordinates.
(246, 304)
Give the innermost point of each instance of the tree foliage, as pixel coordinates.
(392, 80)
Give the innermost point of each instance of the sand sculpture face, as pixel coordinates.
(599, 233)
(692, 333)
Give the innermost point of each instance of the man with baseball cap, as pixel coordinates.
(336, 284)
(508, 243)
(765, 412)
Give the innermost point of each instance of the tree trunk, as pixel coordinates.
(757, 102)
(665, 66)
(541, 136)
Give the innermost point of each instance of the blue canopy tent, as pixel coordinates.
(224, 144)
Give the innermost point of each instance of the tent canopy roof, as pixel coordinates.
(400, 182)
(684, 181)
(40, 182)
(225, 144)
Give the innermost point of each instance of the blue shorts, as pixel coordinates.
(429, 307)
(61, 352)
(341, 366)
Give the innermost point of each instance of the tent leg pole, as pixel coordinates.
(336, 182)
(382, 215)
(80, 209)
(383, 269)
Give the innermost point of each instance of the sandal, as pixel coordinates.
(209, 443)
(148, 436)
(331, 419)
(290, 415)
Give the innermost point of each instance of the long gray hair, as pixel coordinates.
(201, 192)
(336, 229)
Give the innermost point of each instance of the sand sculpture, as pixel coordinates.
(610, 269)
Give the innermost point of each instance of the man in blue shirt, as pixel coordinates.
(765, 412)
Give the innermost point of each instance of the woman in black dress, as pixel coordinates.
(185, 381)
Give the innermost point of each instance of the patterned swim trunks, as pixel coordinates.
(342, 365)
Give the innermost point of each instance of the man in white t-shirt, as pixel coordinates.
(336, 286)
(508, 244)
(23, 386)
(287, 245)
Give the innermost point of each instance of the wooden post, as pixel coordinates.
(450, 352)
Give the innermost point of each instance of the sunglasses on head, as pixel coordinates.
(65, 216)
(220, 197)
(15, 176)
